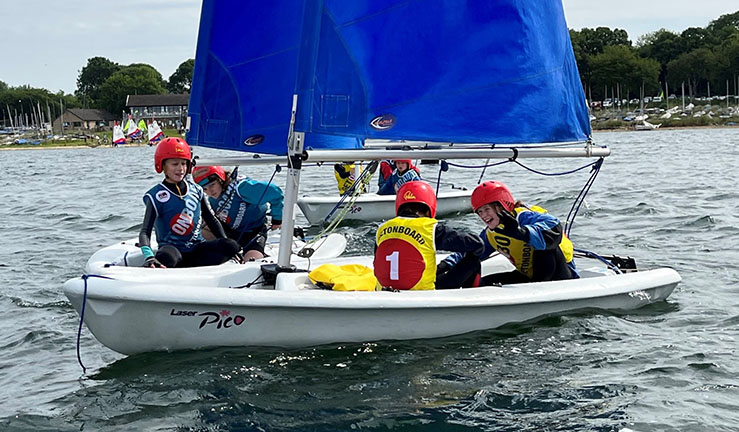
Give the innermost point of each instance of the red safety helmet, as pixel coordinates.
(416, 192)
(201, 174)
(172, 148)
(490, 192)
(408, 161)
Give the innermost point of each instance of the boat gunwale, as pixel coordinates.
(520, 294)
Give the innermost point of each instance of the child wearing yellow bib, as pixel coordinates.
(531, 238)
(346, 174)
(405, 254)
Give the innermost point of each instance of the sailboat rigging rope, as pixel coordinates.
(595, 169)
(598, 162)
(352, 193)
(482, 174)
(278, 168)
(79, 329)
(594, 255)
(82, 318)
(248, 285)
(443, 166)
(486, 165)
(581, 196)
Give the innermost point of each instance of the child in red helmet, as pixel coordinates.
(404, 172)
(241, 205)
(531, 238)
(173, 209)
(405, 254)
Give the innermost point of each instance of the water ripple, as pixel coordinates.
(669, 366)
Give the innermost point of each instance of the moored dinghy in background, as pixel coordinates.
(371, 207)
(336, 81)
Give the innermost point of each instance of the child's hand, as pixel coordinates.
(152, 262)
(511, 228)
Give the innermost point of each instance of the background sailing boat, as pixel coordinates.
(132, 130)
(118, 136)
(155, 133)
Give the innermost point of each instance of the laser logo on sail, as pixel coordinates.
(254, 140)
(383, 122)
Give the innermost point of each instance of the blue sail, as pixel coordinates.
(475, 71)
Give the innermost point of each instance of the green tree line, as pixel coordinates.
(702, 60)
(28, 103)
(101, 84)
(105, 84)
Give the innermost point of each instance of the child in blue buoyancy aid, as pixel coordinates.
(404, 172)
(386, 170)
(531, 238)
(174, 209)
(241, 205)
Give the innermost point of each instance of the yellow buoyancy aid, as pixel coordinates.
(349, 277)
(345, 184)
(405, 258)
(521, 253)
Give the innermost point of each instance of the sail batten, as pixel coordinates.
(476, 71)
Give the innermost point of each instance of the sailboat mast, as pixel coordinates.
(295, 162)
(10, 115)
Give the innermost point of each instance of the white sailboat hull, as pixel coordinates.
(134, 310)
(372, 207)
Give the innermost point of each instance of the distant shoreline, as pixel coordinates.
(83, 144)
(10, 147)
(623, 129)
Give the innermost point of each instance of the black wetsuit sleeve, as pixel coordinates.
(451, 240)
(210, 219)
(149, 217)
(552, 237)
(341, 171)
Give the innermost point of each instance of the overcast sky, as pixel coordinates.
(45, 43)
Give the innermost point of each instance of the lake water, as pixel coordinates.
(667, 198)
